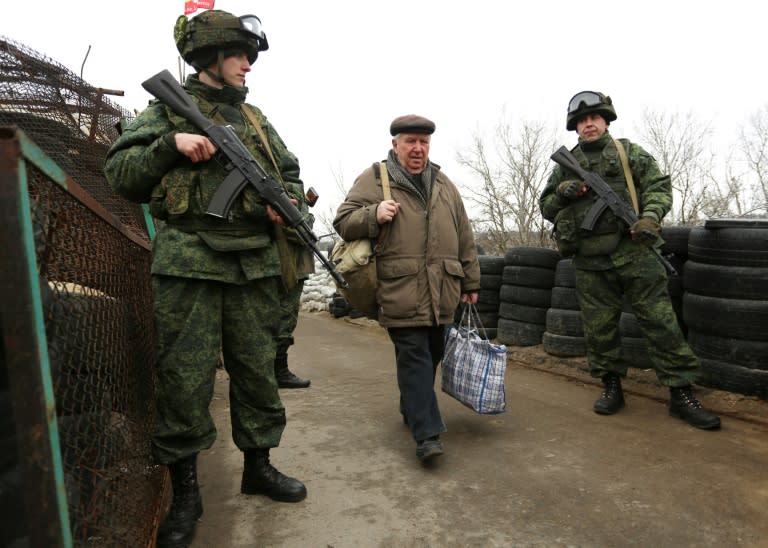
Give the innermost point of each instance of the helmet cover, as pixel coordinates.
(213, 30)
(588, 102)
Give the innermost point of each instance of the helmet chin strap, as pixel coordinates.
(216, 77)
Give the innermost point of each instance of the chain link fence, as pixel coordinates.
(90, 250)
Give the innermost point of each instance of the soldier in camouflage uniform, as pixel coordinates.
(217, 283)
(613, 261)
(289, 318)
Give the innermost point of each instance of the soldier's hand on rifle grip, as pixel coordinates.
(572, 189)
(274, 216)
(197, 148)
(645, 231)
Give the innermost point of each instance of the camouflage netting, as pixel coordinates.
(96, 298)
(72, 121)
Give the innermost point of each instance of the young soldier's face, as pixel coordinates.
(591, 127)
(232, 70)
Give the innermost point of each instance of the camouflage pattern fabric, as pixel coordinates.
(217, 288)
(289, 316)
(144, 166)
(645, 284)
(654, 191)
(212, 30)
(194, 319)
(610, 264)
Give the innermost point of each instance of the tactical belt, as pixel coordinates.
(198, 224)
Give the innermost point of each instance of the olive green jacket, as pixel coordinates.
(428, 256)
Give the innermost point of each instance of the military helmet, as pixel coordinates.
(587, 102)
(200, 38)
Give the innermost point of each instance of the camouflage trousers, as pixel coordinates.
(195, 320)
(644, 282)
(289, 316)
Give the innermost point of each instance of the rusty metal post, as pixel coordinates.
(23, 330)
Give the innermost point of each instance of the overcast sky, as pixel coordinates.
(337, 72)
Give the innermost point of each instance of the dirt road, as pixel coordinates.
(549, 472)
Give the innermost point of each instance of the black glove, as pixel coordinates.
(645, 231)
(571, 189)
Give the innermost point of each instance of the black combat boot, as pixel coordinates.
(612, 398)
(261, 478)
(684, 406)
(286, 379)
(178, 527)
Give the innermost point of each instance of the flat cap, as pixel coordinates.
(411, 123)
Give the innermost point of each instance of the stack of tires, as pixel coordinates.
(675, 250)
(725, 304)
(564, 335)
(525, 294)
(491, 268)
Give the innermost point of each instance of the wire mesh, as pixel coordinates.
(72, 121)
(96, 296)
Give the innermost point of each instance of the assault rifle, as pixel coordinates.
(243, 169)
(607, 198)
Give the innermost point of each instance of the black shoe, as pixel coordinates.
(612, 398)
(428, 449)
(261, 478)
(684, 406)
(286, 379)
(178, 527)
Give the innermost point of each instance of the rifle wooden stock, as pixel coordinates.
(607, 198)
(246, 170)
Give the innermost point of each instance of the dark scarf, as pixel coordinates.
(225, 102)
(593, 150)
(228, 94)
(420, 183)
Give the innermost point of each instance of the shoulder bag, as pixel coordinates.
(356, 262)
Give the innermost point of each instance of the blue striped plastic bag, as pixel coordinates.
(473, 367)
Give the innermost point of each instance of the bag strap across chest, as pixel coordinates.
(383, 174)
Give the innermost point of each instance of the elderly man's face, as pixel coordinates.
(412, 151)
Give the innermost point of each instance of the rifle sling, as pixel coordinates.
(628, 175)
(288, 255)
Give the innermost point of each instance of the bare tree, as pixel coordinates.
(754, 145)
(727, 198)
(324, 216)
(510, 183)
(680, 145)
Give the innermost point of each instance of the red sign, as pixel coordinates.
(191, 6)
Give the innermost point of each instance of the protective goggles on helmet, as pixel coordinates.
(252, 24)
(586, 99)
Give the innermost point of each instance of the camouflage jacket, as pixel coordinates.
(144, 166)
(608, 244)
